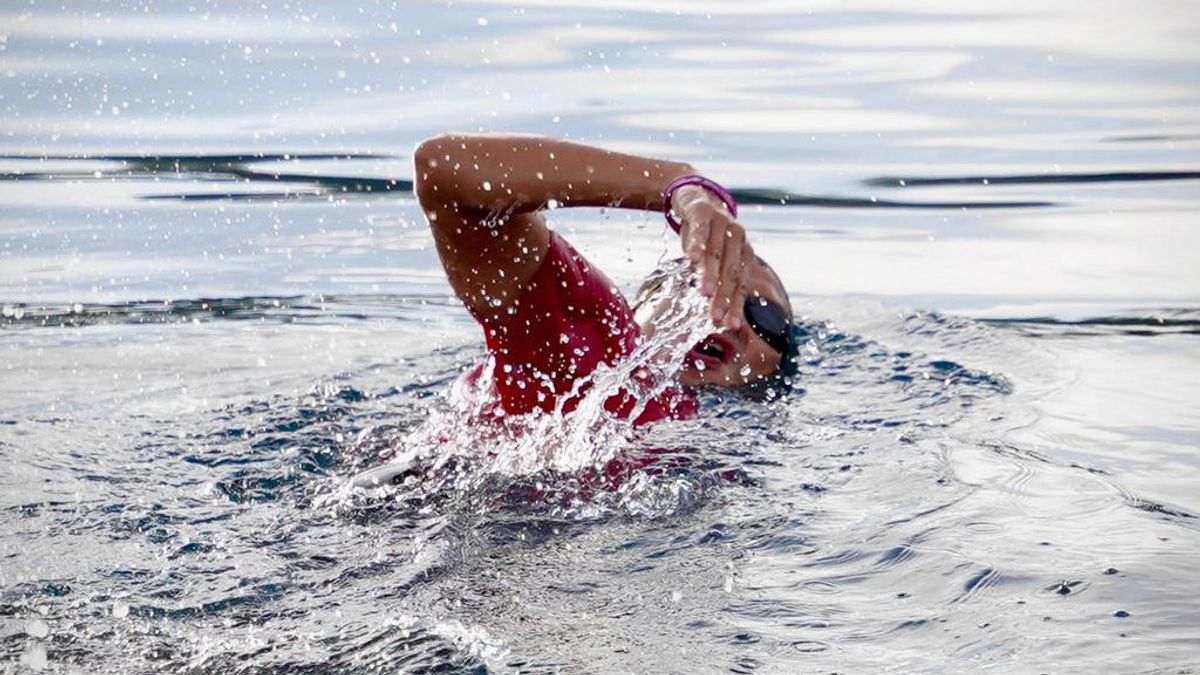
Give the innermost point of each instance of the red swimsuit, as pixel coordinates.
(568, 321)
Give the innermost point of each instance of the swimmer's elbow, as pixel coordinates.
(432, 182)
(454, 172)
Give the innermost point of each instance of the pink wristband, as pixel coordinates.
(710, 185)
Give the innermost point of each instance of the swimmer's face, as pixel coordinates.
(736, 358)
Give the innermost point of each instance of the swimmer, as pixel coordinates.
(549, 316)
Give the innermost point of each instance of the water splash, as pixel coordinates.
(466, 445)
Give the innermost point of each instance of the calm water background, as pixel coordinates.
(986, 214)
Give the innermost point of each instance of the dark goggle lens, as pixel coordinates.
(769, 322)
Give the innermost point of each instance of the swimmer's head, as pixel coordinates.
(760, 354)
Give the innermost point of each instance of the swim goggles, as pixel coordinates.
(768, 321)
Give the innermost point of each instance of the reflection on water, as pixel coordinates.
(218, 304)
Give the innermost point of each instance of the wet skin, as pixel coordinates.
(483, 197)
(733, 357)
(718, 248)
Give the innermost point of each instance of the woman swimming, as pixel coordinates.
(550, 317)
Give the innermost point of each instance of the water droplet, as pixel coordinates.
(35, 656)
(745, 371)
(676, 596)
(37, 628)
(120, 609)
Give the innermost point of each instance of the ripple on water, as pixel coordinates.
(743, 540)
(820, 588)
(979, 582)
(809, 646)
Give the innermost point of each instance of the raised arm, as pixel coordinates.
(482, 196)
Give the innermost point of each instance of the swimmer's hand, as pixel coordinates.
(717, 249)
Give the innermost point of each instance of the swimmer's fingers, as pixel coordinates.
(715, 253)
(736, 315)
(701, 225)
(695, 219)
(704, 234)
(734, 276)
(694, 240)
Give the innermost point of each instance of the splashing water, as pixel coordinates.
(466, 446)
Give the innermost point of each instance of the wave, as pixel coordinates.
(240, 169)
(284, 309)
(1168, 322)
(1035, 179)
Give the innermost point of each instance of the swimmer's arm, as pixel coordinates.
(483, 194)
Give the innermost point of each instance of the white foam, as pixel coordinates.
(589, 435)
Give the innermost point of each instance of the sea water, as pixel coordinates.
(220, 305)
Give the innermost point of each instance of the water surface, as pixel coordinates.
(220, 302)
